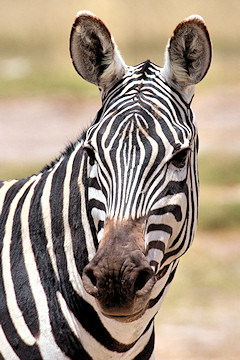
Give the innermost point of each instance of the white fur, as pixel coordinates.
(173, 71)
(90, 344)
(85, 12)
(115, 71)
(47, 219)
(6, 349)
(12, 304)
(195, 16)
(115, 65)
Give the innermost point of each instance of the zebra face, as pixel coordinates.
(142, 162)
(142, 159)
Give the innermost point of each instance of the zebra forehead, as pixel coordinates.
(142, 102)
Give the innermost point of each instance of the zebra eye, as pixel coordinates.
(91, 154)
(179, 159)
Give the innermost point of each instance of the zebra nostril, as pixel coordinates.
(91, 276)
(90, 282)
(142, 278)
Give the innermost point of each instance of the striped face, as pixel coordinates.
(142, 189)
(142, 150)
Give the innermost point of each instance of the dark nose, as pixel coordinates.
(119, 276)
(117, 281)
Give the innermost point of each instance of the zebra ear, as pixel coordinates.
(188, 55)
(94, 53)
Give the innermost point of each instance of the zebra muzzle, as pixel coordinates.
(119, 276)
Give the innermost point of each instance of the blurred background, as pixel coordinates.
(44, 105)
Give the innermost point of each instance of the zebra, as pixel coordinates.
(90, 245)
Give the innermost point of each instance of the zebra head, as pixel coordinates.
(141, 151)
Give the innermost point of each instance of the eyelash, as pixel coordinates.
(91, 155)
(179, 159)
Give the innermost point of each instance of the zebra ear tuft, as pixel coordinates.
(94, 53)
(188, 55)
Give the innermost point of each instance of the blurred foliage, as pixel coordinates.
(219, 169)
(217, 215)
(219, 207)
(34, 55)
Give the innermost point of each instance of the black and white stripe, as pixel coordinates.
(138, 160)
(46, 240)
(149, 132)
